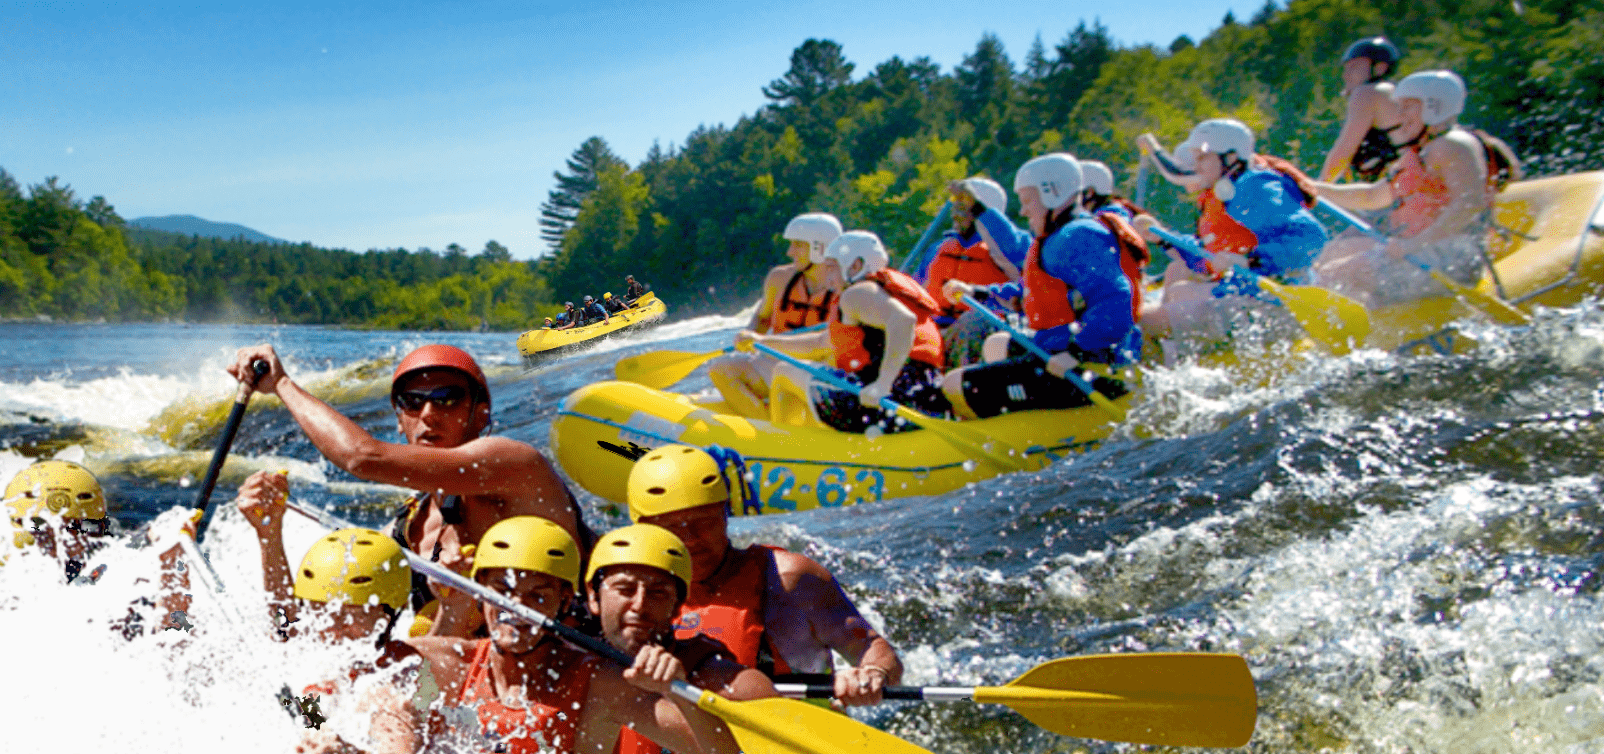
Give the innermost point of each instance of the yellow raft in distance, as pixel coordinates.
(543, 344)
(604, 427)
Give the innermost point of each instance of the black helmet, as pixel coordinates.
(1376, 49)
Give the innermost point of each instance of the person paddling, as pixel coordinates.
(633, 290)
(466, 480)
(1439, 191)
(777, 611)
(1368, 140)
(1254, 213)
(525, 691)
(963, 253)
(569, 319)
(795, 295)
(1081, 293)
(882, 335)
(639, 577)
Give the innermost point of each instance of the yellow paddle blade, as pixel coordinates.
(659, 369)
(1167, 699)
(1498, 309)
(1338, 322)
(785, 726)
(988, 448)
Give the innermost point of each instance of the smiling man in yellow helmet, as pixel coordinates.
(777, 611)
(530, 691)
(639, 576)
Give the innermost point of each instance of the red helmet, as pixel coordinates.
(440, 356)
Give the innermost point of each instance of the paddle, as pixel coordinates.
(761, 726)
(1164, 699)
(916, 256)
(1101, 401)
(1501, 311)
(1335, 320)
(660, 369)
(242, 398)
(962, 437)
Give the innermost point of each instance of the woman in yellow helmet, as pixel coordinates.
(525, 684)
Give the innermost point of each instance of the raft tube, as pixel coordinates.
(604, 427)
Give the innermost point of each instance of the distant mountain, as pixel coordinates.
(191, 225)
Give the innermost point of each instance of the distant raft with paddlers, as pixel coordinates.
(604, 427)
(537, 346)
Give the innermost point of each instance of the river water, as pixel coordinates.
(1407, 549)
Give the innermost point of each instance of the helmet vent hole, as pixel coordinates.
(556, 553)
(656, 490)
(709, 479)
(675, 552)
(620, 543)
(307, 572)
(86, 496)
(368, 542)
(362, 579)
(501, 544)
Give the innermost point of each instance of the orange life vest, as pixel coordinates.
(792, 312)
(1422, 195)
(954, 262)
(848, 341)
(1047, 298)
(1221, 233)
(552, 718)
(732, 611)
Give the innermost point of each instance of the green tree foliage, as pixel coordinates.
(816, 68)
(557, 213)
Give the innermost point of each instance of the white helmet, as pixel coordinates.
(1097, 177)
(854, 245)
(1057, 176)
(817, 229)
(1216, 136)
(989, 192)
(1441, 94)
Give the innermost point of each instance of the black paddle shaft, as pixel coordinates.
(817, 691)
(230, 428)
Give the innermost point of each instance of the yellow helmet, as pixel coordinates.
(674, 478)
(608, 296)
(356, 565)
(529, 543)
(60, 487)
(642, 544)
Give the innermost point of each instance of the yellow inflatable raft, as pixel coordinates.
(540, 345)
(602, 428)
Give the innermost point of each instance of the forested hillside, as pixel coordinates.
(701, 221)
(65, 259)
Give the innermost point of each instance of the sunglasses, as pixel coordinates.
(446, 396)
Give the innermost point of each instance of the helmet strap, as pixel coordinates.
(389, 626)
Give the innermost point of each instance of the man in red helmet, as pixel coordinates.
(466, 480)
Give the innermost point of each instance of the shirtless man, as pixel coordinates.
(1366, 141)
(778, 611)
(466, 481)
(795, 295)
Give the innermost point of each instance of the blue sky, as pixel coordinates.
(375, 125)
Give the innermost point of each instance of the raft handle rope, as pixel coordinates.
(1595, 225)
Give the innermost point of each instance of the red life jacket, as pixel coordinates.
(1422, 195)
(1047, 298)
(552, 717)
(732, 611)
(849, 341)
(1221, 233)
(954, 262)
(792, 312)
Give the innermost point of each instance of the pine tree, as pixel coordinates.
(816, 67)
(562, 205)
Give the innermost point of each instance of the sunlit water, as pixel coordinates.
(1406, 549)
